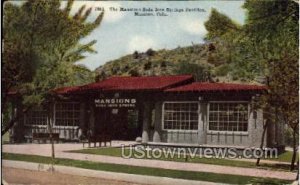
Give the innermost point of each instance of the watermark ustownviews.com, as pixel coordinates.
(142, 152)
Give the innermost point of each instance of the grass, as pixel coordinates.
(189, 175)
(285, 157)
(5, 138)
(117, 152)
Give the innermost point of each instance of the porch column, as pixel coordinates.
(157, 122)
(202, 125)
(82, 114)
(146, 122)
(91, 119)
(140, 120)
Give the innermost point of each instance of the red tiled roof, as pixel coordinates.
(65, 90)
(179, 83)
(206, 87)
(138, 83)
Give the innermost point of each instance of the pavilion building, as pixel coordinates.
(159, 109)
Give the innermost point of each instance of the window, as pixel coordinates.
(36, 116)
(67, 114)
(180, 116)
(228, 117)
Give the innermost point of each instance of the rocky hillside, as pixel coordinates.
(199, 60)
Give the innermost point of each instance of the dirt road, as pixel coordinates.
(20, 176)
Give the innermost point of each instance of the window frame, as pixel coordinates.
(34, 125)
(61, 126)
(179, 130)
(223, 131)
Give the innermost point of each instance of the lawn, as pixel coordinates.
(190, 175)
(117, 152)
(285, 157)
(5, 138)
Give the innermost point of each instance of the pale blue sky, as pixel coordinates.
(122, 33)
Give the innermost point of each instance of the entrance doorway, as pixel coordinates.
(120, 124)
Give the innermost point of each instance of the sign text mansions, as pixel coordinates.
(115, 102)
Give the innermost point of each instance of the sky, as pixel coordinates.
(122, 33)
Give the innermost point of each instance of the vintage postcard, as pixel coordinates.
(150, 92)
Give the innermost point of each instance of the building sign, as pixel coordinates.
(115, 102)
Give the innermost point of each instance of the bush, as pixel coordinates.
(134, 72)
(222, 70)
(163, 64)
(150, 52)
(211, 47)
(126, 68)
(200, 72)
(288, 135)
(147, 66)
(135, 55)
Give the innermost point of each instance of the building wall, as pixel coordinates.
(180, 137)
(67, 133)
(250, 139)
(153, 132)
(202, 136)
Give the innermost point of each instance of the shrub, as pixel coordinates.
(150, 52)
(163, 64)
(148, 66)
(134, 72)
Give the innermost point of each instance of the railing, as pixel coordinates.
(64, 133)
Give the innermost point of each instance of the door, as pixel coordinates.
(120, 124)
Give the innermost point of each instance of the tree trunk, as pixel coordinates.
(50, 123)
(297, 178)
(262, 140)
(294, 151)
(12, 122)
(52, 144)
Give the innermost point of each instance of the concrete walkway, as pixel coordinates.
(262, 161)
(140, 179)
(45, 150)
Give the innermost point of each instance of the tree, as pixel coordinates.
(285, 95)
(266, 45)
(231, 47)
(150, 52)
(273, 26)
(200, 72)
(41, 46)
(134, 72)
(219, 25)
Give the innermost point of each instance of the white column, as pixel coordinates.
(158, 122)
(146, 122)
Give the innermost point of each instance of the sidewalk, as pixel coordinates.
(261, 161)
(45, 150)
